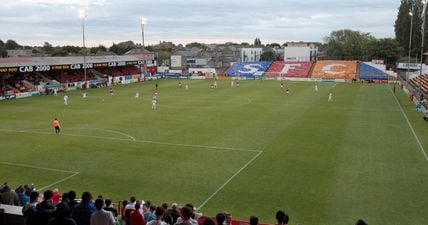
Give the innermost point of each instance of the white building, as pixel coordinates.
(301, 51)
(251, 54)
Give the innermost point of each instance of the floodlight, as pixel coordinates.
(143, 20)
(83, 14)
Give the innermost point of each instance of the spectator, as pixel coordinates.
(8, 196)
(29, 210)
(220, 217)
(45, 209)
(171, 215)
(209, 221)
(282, 217)
(160, 212)
(131, 204)
(109, 207)
(146, 210)
(101, 216)
(29, 189)
(72, 202)
(360, 222)
(254, 220)
(82, 212)
(56, 196)
(23, 198)
(152, 215)
(186, 217)
(136, 218)
(62, 215)
(228, 220)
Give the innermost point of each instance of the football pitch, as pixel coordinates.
(249, 151)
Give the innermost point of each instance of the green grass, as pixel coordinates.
(323, 163)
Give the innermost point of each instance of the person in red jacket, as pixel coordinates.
(136, 218)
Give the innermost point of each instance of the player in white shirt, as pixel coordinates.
(137, 95)
(84, 95)
(215, 84)
(186, 87)
(55, 92)
(65, 100)
(316, 88)
(232, 84)
(154, 103)
(330, 97)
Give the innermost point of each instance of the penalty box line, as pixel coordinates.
(131, 140)
(230, 179)
(73, 173)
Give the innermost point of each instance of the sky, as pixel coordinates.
(33, 22)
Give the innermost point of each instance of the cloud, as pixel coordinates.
(56, 21)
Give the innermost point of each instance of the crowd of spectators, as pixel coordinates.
(52, 208)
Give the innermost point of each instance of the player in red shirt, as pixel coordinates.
(56, 126)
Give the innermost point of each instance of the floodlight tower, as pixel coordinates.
(143, 22)
(83, 14)
(410, 39)
(424, 2)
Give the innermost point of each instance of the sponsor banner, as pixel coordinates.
(71, 89)
(197, 77)
(1, 98)
(34, 93)
(23, 95)
(412, 66)
(378, 61)
(126, 81)
(8, 97)
(327, 80)
(129, 77)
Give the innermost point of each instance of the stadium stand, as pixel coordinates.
(332, 69)
(289, 69)
(421, 82)
(1, 87)
(369, 72)
(42, 206)
(249, 69)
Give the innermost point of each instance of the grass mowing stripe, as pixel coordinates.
(410, 125)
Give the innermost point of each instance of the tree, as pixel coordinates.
(100, 48)
(197, 45)
(268, 55)
(47, 47)
(403, 26)
(273, 45)
(122, 47)
(245, 44)
(348, 44)
(257, 42)
(11, 44)
(388, 49)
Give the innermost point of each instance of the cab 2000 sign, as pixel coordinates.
(39, 68)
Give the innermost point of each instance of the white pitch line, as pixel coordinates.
(140, 141)
(44, 168)
(75, 128)
(230, 179)
(106, 130)
(57, 182)
(410, 125)
(37, 167)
